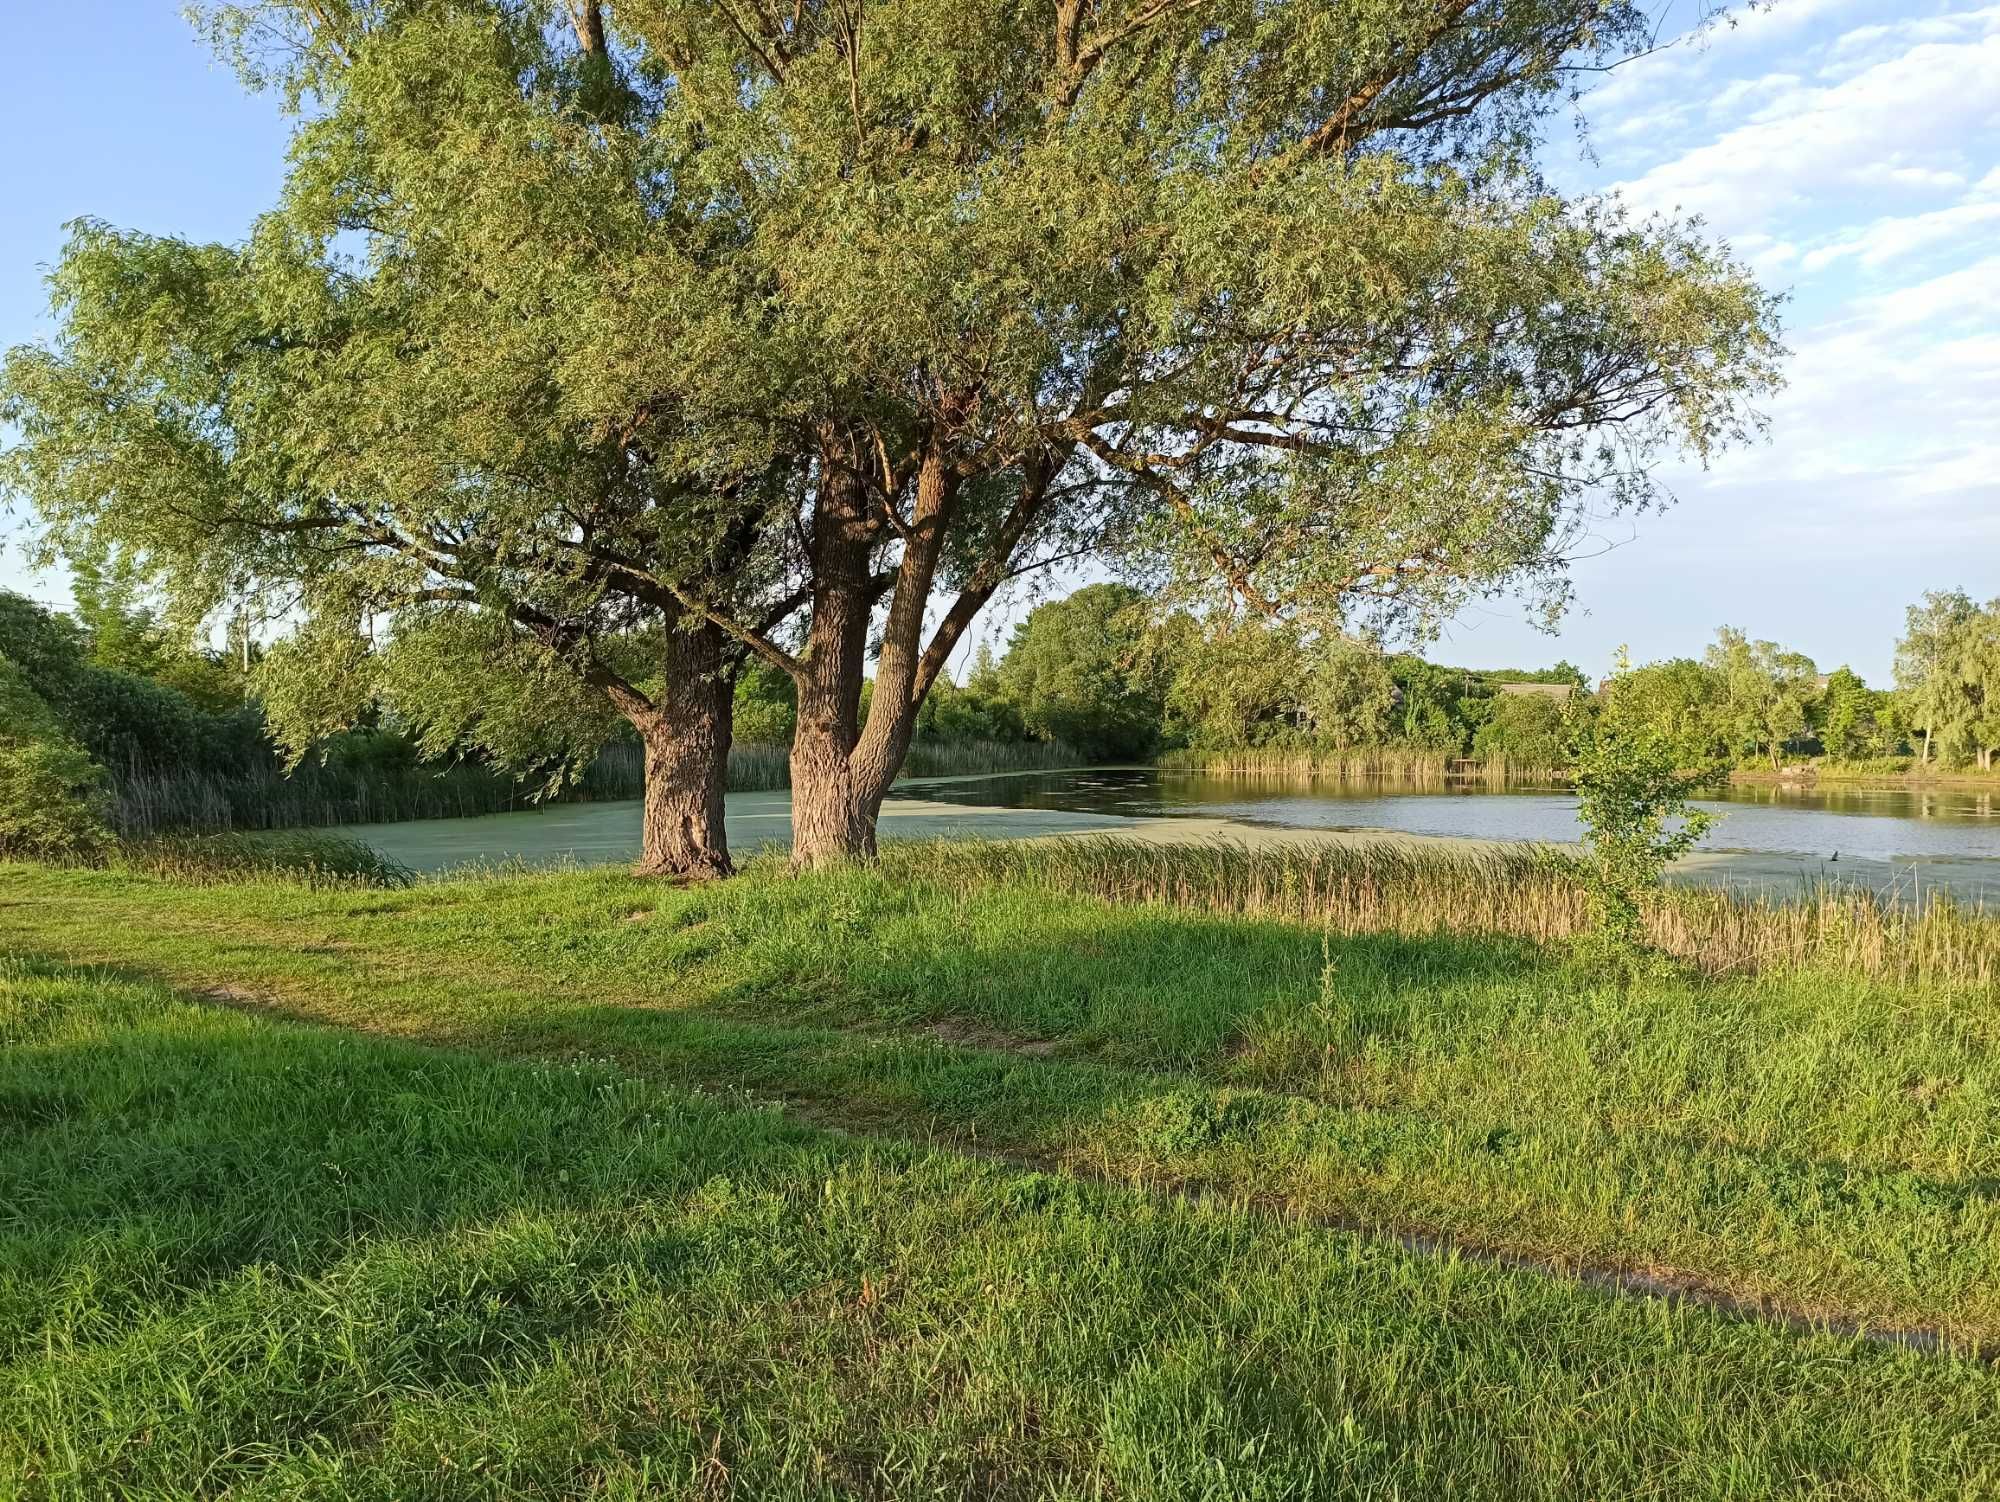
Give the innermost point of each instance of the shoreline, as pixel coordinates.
(607, 834)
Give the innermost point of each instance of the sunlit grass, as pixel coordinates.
(240, 1257)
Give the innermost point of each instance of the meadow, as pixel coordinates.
(975, 1172)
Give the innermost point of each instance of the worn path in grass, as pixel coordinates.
(240, 1257)
(1821, 1148)
(608, 834)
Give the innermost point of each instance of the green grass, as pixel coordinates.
(1815, 1142)
(253, 1258)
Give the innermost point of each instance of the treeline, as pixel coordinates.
(110, 726)
(1102, 671)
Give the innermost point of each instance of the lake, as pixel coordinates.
(1871, 823)
(1770, 839)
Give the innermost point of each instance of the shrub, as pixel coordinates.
(51, 792)
(1629, 787)
(309, 858)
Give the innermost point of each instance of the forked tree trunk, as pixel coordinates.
(841, 770)
(686, 736)
(831, 823)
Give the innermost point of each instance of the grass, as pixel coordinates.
(316, 796)
(1519, 891)
(243, 1257)
(310, 857)
(1816, 1141)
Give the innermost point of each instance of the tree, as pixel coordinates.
(1232, 682)
(1931, 667)
(1073, 672)
(1846, 714)
(676, 317)
(1765, 692)
(1349, 695)
(1528, 729)
(51, 792)
(1632, 797)
(1979, 677)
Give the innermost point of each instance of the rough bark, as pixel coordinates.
(842, 769)
(831, 823)
(686, 735)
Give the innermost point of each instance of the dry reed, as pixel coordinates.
(1532, 893)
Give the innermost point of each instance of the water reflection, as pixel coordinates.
(1873, 823)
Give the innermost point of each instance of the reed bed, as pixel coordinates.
(1531, 893)
(1396, 766)
(311, 858)
(318, 796)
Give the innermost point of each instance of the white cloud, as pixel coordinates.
(1895, 124)
(1885, 240)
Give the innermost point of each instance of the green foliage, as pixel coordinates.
(306, 858)
(1075, 672)
(1765, 693)
(1948, 677)
(1629, 789)
(1532, 729)
(766, 706)
(51, 792)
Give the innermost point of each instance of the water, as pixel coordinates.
(1878, 824)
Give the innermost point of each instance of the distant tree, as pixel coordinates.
(1350, 695)
(1429, 716)
(766, 706)
(1527, 729)
(1979, 673)
(1074, 672)
(1766, 692)
(1846, 714)
(1232, 682)
(1932, 659)
(51, 792)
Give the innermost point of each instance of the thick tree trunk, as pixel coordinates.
(841, 769)
(687, 737)
(831, 824)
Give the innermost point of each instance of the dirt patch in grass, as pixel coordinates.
(962, 1034)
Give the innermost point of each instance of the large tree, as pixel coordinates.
(709, 309)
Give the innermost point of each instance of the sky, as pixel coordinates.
(1848, 151)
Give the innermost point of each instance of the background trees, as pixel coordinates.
(1075, 672)
(1764, 693)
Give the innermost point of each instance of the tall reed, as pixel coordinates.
(1396, 766)
(1531, 893)
(316, 796)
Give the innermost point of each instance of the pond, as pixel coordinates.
(1868, 823)
(1773, 840)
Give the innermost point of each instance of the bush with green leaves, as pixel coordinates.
(1632, 797)
(51, 792)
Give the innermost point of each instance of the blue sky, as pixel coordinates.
(1849, 151)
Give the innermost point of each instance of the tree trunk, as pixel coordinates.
(831, 824)
(686, 737)
(841, 770)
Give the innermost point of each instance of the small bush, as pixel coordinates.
(309, 858)
(1629, 791)
(51, 802)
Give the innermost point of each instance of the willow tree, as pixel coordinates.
(1264, 297)
(385, 444)
(258, 421)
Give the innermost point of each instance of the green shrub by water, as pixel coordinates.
(311, 858)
